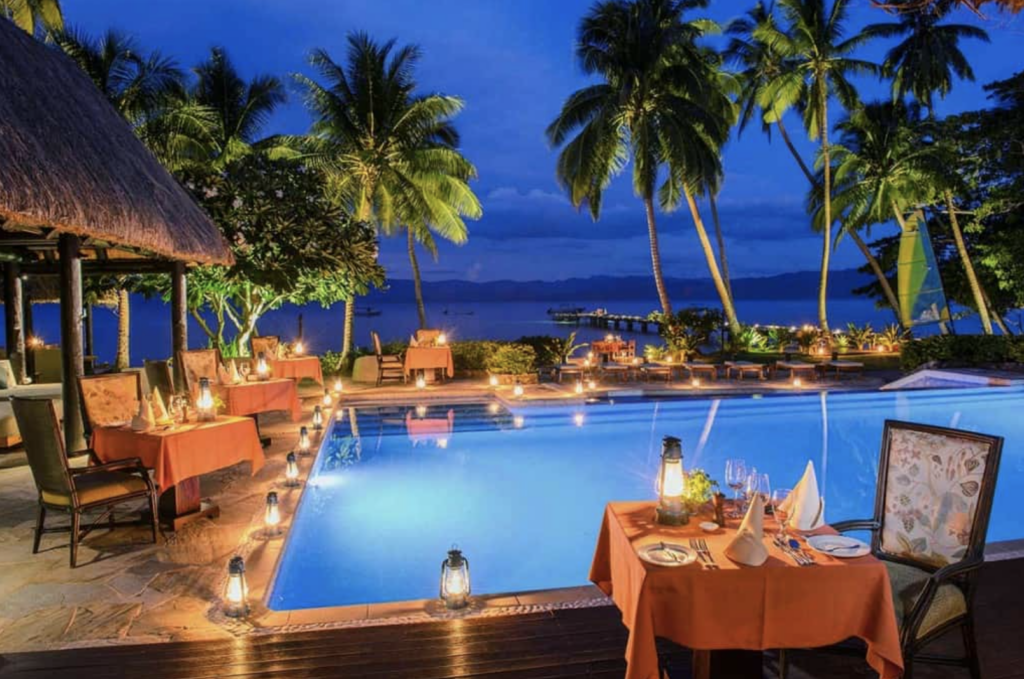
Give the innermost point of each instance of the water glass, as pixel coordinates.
(735, 476)
(778, 497)
(757, 484)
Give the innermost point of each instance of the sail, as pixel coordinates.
(922, 299)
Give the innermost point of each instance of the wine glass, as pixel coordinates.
(778, 497)
(735, 477)
(243, 369)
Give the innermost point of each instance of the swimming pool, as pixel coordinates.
(522, 491)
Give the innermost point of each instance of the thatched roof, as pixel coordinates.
(69, 162)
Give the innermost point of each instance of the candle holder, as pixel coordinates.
(455, 585)
(291, 471)
(262, 369)
(204, 401)
(672, 510)
(236, 592)
(272, 516)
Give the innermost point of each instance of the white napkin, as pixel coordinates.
(144, 420)
(748, 545)
(234, 375)
(413, 342)
(222, 374)
(805, 506)
(159, 409)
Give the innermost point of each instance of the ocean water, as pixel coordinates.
(150, 322)
(522, 492)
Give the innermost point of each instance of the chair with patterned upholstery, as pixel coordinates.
(199, 363)
(268, 345)
(160, 377)
(934, 497)
(77, 490)
(109, 400)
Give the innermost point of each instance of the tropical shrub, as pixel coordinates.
(962, 351)
(512, 359)
(551, 350)
(892, 336)
(861, 337)
(473, 355)
(806, 339)
(779, 337)
(332, 363)
(840, 340)
(655, 352)
(688, 329)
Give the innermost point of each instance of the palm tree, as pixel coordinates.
(35, 17)
(632, 114)
(759, 65)
(137, 85)
(390, 155)
(928, 58)
(816, 63)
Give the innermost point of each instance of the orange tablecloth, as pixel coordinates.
(297, 368)
(429, 358)
(184, 451)
(777, 605)
(251, 398)
(424, 429)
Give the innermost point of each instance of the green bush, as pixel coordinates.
(473, 355)
(332, 363)
(962, 351)
(512, 359)
(546, 348)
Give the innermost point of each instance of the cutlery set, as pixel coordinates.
(700, 546)
(792, 549)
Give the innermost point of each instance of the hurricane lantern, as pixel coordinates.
(291, 471)
(318, 418)
(442, 339)
(517, 390)
(338, 387)
(272, 516)
(797, 382)
(262, 369)
(671, 508)
(455, 589)
(592, 384)
(421, 381)
(493, 380)
(236, 592)
(327, 400)
(299, 349)
(303, 441)
(695, 383)
(579, 387)
(204, 401)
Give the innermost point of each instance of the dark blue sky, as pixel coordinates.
(512, 61)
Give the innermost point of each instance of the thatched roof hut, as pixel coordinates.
(69, 163)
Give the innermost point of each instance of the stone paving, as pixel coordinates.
(127, 589)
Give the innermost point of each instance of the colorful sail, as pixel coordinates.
(921, 296)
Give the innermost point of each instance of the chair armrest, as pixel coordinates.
(931, 587)
(130, 463)
(857, 524)
(954, 570)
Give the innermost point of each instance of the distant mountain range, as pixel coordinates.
(797, 285)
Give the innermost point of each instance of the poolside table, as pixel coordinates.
(261, 396)
(180, 454)
(776, 605)
(429, 358)
(297, 368)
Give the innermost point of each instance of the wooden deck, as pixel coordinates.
(568, 643)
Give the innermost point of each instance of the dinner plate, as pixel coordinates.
(839, 546)
(667, 554)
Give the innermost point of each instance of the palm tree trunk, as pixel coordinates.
(890, 296)
(346, 332)
(723, 261)
(122, 360)
(965, 257)
(826, 250)
(417, 284)
(792, 149)
(709, 254)
(652, 233)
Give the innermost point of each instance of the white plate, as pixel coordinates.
(667, 554)
(838, 546)
(709, 526)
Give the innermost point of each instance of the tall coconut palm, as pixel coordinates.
(389, 154)
(36, 17)
(137, 85)
(633, 112)
(758, 65)
(816, 65)
(925, 62)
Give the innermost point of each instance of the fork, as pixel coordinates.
(707, 552)
(696, 547)
(799, 558)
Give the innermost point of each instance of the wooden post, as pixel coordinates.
(13, 319)
(28, 330)
(71, 337)
(179, 319)
(89, 349)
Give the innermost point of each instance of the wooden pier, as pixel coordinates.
(607, 321)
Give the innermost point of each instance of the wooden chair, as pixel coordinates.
(160, 377)
(388, 367)
(199, 363)
(109, 400)
(81, 489)
(270, 345)
(933, 563)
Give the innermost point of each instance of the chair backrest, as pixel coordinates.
(270, 345)
(425, 336)
(935, 489)
(196, 364)
(109, 400)
(7, 378)
(44, 445)
(376, 344)
(160, 377)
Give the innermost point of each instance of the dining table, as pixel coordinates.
(179, 454)
(727, 612)
(257, 396)
(429, 359)
(297, 368)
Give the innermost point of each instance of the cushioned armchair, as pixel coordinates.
(268, 345)
(388, 366)
(76, 491)
(934, 497)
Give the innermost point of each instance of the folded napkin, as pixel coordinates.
(748, 545)
(413, 342)
(805, 507)
(144, 420)
(159, 409)
(233, 374)
(222, 374)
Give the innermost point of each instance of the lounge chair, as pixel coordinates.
(388, 367)
(796, 368)
(933, 560)
(663, 370)
(698, 369)
(77, 490)
(741, 368)
(846, 367)
(569, 370)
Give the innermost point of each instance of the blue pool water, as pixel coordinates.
(522, 492)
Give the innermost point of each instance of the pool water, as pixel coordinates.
(522, 492)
